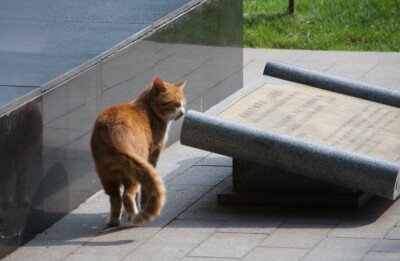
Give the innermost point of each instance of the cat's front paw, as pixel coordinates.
(113, 222)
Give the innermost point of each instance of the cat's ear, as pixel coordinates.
(181, 85)
(159, 87)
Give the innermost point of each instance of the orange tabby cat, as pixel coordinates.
(126, 142)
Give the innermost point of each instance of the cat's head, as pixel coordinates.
(168, 100)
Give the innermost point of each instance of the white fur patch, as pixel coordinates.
(182, 109)
(166, 133)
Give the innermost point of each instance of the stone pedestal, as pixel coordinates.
(330, 145)
(258, 184)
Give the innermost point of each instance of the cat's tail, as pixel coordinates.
(153, 185)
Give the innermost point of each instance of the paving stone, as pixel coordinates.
(96, 198)
(175, 240)
(351, 69)
(246, 60)
(297, 235)
(201, 226)
(189, 258)
(394, 233)
(167, 215)
(396, 84)
(387, 245)
(177, 158)
(76, 226)
(387, 207)
(316, 216)
(321, 66)
(354, 227)
(382, 70)
(276, 254)
(117, 241)
(283, 55)
(46, 250)
(358, 64)
(387, 82)
(252, 71)
(180, 195)
(249, 78)
(382, 256)
(171, 166)
(272, 211)
(157, 251)
(185, 152)
(252, 223)
(91, 257)
(207, 208)
(350, 56)
(227, 245)
(203, 175)
(339, 249)
(215, 160)
(222, 186)
(254, 61)
(82, 223)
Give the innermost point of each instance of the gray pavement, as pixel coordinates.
(382, 69)
(193, 226)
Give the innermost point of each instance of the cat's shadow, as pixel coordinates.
(90, 229)
(245, 217)
(76, 231)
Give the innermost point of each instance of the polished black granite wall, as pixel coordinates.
(45, 161)
(42, 39)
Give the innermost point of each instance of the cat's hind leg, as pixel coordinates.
(128, 198)
(111, 188)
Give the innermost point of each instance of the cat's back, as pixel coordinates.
(118, 125)
(121, 115)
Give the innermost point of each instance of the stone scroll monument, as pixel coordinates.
(318, 140)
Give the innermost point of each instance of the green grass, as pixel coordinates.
(359, 25)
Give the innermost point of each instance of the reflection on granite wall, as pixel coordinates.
(21, 199)
(45, 161)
